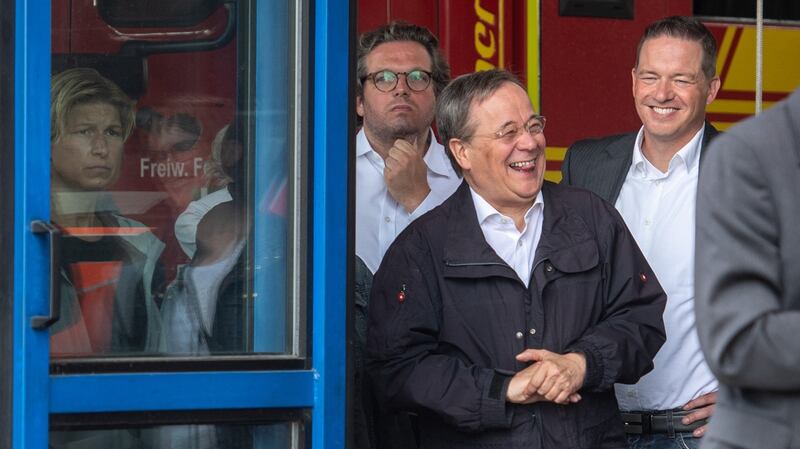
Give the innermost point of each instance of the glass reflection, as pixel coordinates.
(109, 262)
(193, 436)
(171, 248)
(206, 306)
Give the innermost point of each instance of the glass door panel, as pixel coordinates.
(170, 179)
(183, 436)
(167, 234)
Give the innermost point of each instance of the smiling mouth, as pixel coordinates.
(663, 111)
(523, 165)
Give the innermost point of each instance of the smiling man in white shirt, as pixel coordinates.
(651, 178)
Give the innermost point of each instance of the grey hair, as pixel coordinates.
(402, 31)
(80, 86)
(453, 105)
(684, 28)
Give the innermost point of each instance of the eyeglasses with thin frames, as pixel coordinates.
(386, 80)
(512, 131)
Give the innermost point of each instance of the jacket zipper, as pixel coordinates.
(474, 264)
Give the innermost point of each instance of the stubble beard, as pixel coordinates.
(388, 133)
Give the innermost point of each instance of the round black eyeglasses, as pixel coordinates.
(386, 80)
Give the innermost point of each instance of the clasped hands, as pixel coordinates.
(551, 377)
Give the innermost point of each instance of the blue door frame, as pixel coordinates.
(31, 200)
(320, 389)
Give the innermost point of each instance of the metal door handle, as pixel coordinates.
(42, 227)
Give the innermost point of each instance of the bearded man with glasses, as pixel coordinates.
(401, 170)
(504, 317)
(401, 173)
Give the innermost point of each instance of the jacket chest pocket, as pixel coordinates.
(475, 302)
(484, 318)
(571, 288)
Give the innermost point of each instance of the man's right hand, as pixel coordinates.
(552, 377)
(519, 391)
(406, 174)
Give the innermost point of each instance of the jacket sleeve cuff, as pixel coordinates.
(494, 411)
(594, 364)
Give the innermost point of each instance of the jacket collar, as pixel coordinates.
(620, 158)
(465, 244)
(467, 254)
(623, 148)
(709, 133)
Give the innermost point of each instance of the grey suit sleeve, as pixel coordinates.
(749, 339)
(576, 159)
(565, 172)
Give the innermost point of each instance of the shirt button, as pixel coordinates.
(520, 335)
(519, 243)
(648, 222)
(387, 219)
(532, 331)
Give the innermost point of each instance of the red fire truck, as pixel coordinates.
(277, 69)
(576, 55)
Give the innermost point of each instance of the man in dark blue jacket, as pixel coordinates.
(504, 316)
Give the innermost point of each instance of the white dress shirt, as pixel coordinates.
(659, 209)
(186, 224)
(379, 218)
(516, 248)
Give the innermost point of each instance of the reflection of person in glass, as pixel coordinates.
(166, 144)
(203, 308)
(108, 261)
(217, 181)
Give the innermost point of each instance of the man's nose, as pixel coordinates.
(402, 86)
(528, 141)
(663, 90)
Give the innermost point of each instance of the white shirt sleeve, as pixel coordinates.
(186, 224)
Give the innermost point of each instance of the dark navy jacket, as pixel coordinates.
(448, 316)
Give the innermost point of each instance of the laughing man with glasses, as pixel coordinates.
(503, 317)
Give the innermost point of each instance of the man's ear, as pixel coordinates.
(460, 151)
(713, 88)
(360, 106)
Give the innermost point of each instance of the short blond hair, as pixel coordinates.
(79, 86)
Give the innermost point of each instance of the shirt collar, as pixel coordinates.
(689, 155)
(435, 158)
(485, 211)
(362, 144)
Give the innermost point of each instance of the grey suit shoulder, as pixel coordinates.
(599, 165)
(747, 288)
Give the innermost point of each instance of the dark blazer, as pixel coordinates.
(447, 317)
(747, 268)
(601, 165)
